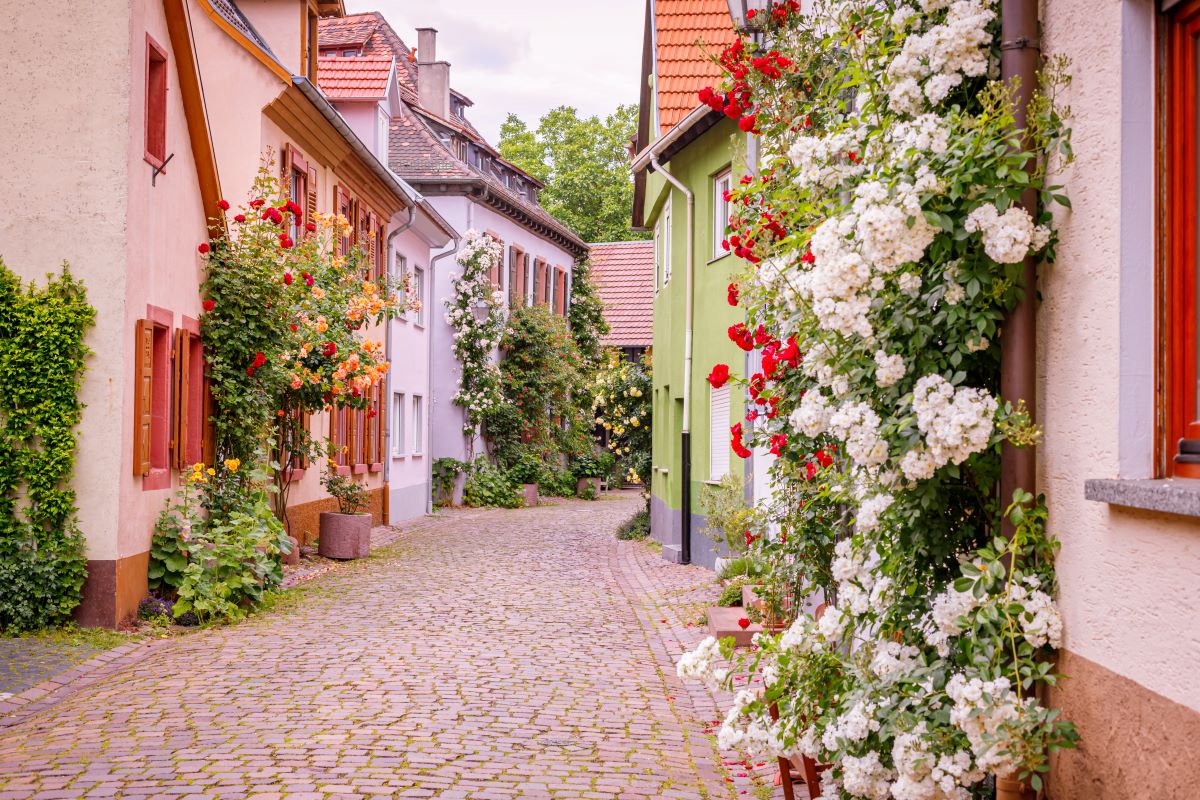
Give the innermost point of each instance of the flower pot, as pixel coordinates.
(531, 494)
(345, 536)
(293, 558)
(1013, 789)
(582, 484)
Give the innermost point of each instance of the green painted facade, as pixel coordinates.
(696, 166)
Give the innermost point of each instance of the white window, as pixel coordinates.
(657, 255)
(667, 243)
(418, 424)
(721, 185)
(418, 288)
(718, 433)
(381, 141)
(398, 440)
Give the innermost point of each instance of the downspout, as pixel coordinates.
(387, 349)
(1020, 56)
(452, 249)
(685, 440)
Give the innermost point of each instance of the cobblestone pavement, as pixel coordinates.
(496, 654)
(26, 662)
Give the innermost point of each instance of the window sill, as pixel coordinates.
(399, 456)
(157, 478)
(375, 467)
(1179, 496)
(715, 259)
(343, 471)
(294, 475)
(359, 469)
(417, 455)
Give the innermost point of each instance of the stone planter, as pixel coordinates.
(1013, 789)
(345, 536)
(293, 558)
(531, 494)
(582, 484)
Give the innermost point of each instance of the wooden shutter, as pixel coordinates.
(285, 171)
(311, 209)
(381, 424)
(208, 444)
(143, 398)
(181, 382)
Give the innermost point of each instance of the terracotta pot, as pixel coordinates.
(293, 558)
(1012, 789)
(583, 483)
(531, 494)
(345, 536)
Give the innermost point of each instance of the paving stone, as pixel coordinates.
(482, 654)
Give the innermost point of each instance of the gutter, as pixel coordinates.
(685, 542)
(647, 157)
(378, 168)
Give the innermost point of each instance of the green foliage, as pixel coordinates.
(528, 469)
(42, 361)
(474, 339)
(489, 485)
(218, 566)
(557, 482)
(541, 384)
(445, 471)
(724, 508)
(621, 395)
(588, 492)
(731, 594)
(586, 315)
(350, 495)
(636, 527)
(585, 166)
(594, 466)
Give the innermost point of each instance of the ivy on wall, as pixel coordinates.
(42, 361)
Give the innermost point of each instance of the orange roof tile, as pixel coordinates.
(688, 35)
(624, 276)
(354, 78)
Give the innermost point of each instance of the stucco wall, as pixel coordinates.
(64, 170)
(1130, 581)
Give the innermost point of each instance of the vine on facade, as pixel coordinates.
(42, 361)
(476, 338)
(886, 239)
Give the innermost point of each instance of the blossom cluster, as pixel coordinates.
(475, 340)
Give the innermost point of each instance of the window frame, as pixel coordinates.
(157, 91)
(1179, 134)
(152, 456)
(419, 286)
(720, 218)
(667, 243)
(399, 431)
(418, 426)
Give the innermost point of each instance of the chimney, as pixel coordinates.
(433, 77)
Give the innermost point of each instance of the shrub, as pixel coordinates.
(445, 471)
(488, 485)
(636, 527)
(557, 483)
(350, 495)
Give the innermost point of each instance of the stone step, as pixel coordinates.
(723, 622)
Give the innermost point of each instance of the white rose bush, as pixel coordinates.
(475, 341)
(886, 237)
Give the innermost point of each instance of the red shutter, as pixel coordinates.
(181, 398)
(143, 398)
(208, 438)
(381, 423)
(311, 206)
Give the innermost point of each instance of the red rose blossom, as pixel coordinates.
(287, 278)
(204, 248)
(257, 203)
(240, 218)
(209, 305)
(308, 226)
(223, 205)
(718, 376)
(743, 623)
(732, 294)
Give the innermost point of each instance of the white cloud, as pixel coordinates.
(531, 57)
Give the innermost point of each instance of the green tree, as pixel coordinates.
(585, 165)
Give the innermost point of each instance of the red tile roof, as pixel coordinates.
(689, 33)
(355, 29)
(414, 153)
(354, 78)
(624, 275)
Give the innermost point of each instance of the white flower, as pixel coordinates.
(955, 422)
(868, 513)
(889, 368)
(1008, 237)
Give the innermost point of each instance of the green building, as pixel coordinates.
(687, 156)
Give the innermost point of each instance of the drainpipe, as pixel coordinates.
(685, 441)
(1020, 57)
(452, 249)
(387, 349)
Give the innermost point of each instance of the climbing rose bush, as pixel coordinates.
(475, 340)
(886, 242)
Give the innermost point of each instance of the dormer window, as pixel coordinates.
(350, 53)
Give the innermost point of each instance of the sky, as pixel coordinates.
(528, 57)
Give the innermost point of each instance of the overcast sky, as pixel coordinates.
(528, 57)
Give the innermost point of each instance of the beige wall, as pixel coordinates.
(64, 128)
(1130, 581)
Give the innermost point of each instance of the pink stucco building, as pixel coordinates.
(135, 121)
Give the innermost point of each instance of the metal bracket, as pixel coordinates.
(159, 170)
(1023, 43)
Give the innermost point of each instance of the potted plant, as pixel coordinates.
(449, 481)
(527, 471)
(345, 533)
(589, 469)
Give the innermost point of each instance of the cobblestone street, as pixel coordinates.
(488, 654)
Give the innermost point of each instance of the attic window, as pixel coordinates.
(350, 53)
(156, 103)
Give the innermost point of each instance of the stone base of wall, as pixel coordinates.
(666, 527)
(112, 591)
(1134, 742)
(408, 502)
(304, 519)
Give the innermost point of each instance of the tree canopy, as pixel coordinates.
(584, 163)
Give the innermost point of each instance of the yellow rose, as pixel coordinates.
(232, 464)
(211, 471)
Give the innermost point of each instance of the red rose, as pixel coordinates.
(204, 248)
(223, 205)
(250, 371)
(286, 242)
(824, 458)
(743, 623)
(747, 123)
(329, 349)
(308, 279)
(810, 470)
(240, 218)
(209, 305)
(718, 376)
(287, 278)
(259, 359)
(778, 442)
(732, 294)
(295, 327)
(308, 226)
(257, 203)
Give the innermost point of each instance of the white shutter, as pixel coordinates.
(718, 433)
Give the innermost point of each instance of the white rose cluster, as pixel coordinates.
(943, 620)
(956, 422)
(981, 710)
(866, 777)
(754, 735)
(1008, 237)
(931, 63)
(857, 425)
(698, 664)
(889, 368)
(923, 774)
